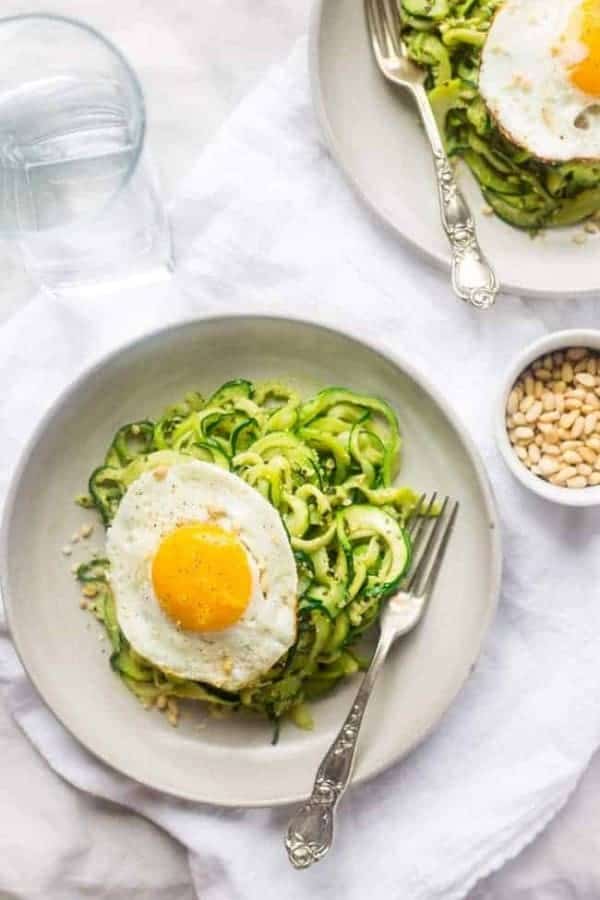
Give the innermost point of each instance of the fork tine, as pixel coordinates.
(392, 24)
(387, 31)
(430, 578)
(426, 550)
(386, 47)
(420, 520)
(415, 515)
(374, 29)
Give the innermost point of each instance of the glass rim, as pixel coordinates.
(138, 92)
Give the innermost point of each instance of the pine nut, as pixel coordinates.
(524, 433)
(588, 455)
(577, 429)
(160, 473)
(553, 417)
(513, 402)
(548, 401)
(565, 473)
(548, 466)
(550, 450)
(526, 404)
(566, 373)
(592, 400)
(161, 701)
(534, 412)
(567, 420)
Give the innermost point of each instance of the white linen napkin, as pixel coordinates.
(267, 223)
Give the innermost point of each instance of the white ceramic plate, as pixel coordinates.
(374, 134)
(231, 762)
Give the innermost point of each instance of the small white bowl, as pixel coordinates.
(558, 340)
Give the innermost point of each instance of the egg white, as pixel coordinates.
(524, 80)
(195, 491)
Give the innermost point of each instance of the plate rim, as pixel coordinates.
(440, 262)
(399, 363)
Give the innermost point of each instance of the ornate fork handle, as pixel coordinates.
(473, 279)
(310, 831)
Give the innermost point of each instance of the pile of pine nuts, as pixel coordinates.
(553, 418)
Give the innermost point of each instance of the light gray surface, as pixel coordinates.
(91, 848)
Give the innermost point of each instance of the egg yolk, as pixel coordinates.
(585, 27)
(201, 577)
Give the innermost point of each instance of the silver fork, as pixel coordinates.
(473, 279)
(310, 830)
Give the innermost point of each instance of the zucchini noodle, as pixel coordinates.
(446, 37)
(327, 465)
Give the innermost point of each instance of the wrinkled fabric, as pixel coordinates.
(266, 223)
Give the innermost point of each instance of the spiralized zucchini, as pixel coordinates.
(327, 465)
(447, 37)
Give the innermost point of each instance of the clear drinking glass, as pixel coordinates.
(77, 189)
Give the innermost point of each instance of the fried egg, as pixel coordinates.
(203, 575)
(540, 76)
